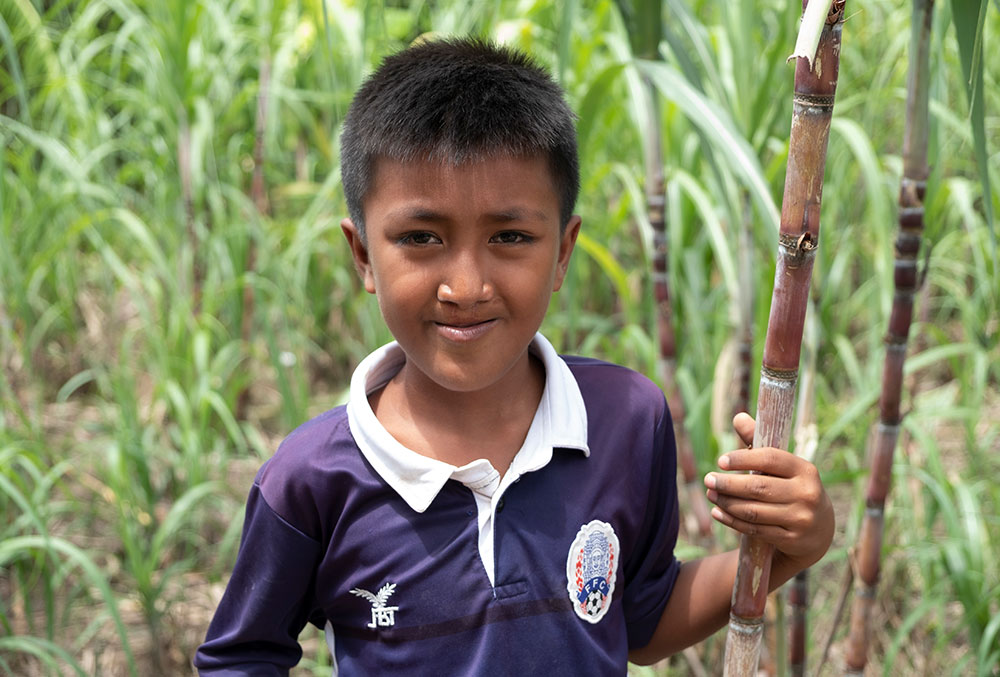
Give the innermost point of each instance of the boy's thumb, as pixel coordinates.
(744, 425)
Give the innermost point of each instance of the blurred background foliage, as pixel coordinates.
(175, 294)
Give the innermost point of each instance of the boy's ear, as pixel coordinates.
(359, 252)
(566, 243)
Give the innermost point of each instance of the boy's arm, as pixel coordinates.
(784, 505)
(256, 626)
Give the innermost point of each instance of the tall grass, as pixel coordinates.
(128, 135)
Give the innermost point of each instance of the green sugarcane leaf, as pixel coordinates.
(594, 101)
(722, 246)
(179, 515)
(989, 649)
(608, 263)
(643, 18)
(969, 17)
(931, 356)
(694, 54)
(74, 383)
(565, 37)
(906, 628)
(9, 490)
(7, 40)
(43, 649)
(13, 548)
(718, 126)
(810, 30)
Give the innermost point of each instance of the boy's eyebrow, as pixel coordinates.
(417, 213)
(519, 214)
(414, 213)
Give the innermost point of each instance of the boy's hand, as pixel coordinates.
(784, 505)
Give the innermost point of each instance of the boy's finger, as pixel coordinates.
(765, 460)
(744, 426)
(752, 512)
(758, 488)
(772, 534)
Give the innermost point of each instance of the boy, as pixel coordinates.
(483, 504)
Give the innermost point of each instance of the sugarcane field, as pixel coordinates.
(185, 280)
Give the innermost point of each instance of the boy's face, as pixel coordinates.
(463, 260)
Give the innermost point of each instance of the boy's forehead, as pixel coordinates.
(446, 163)
(482, 174)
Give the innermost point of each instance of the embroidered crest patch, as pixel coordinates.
(382, 615)
(591, 569)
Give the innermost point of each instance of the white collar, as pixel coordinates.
(560, 421)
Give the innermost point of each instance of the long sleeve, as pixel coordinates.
(267, 601)
(655, 570)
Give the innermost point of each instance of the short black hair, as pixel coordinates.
(456, 101)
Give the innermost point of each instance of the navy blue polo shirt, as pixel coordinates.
(416, 566)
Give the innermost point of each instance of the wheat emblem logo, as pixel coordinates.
(382, 615)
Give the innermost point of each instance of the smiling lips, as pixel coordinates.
(462, 332)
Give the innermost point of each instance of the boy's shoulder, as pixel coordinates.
(615, 390)
(613, 372)
(318, 454)
(310, 442)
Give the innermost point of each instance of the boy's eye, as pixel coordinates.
(418, 238)
(510, 237)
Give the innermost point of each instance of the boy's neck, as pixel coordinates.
(461, 427)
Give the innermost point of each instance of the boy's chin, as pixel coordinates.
(463, 377)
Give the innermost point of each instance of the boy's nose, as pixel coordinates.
(464, 283)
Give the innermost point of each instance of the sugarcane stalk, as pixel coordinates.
(815, 86)
(701, 521)
(645, 29)
(806, 442)
(911, 225)
(798, 600)
(258, 191)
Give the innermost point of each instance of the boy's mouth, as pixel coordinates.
(462, 331)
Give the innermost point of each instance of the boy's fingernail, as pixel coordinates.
(710, 481)
(724, 462)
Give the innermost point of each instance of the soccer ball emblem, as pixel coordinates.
(595, 602)
(591, 570)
